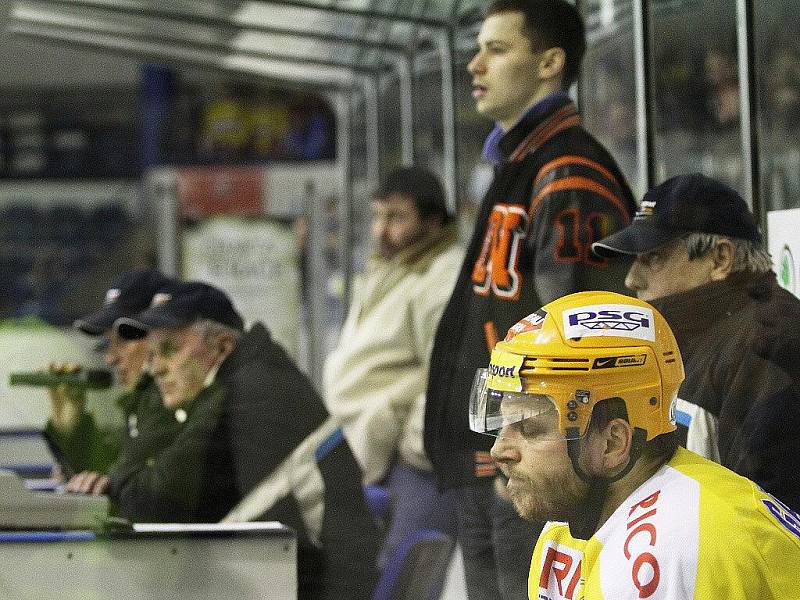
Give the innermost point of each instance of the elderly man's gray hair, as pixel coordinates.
(749, 256)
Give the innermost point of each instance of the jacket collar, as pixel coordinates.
(252, 343)
(704, 305)
(128, 400)
(543, 120)
(429, 246)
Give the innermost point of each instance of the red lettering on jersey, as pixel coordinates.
(643, 528)
(640, 525)
(646, 589)
(646, 503)
(573, 583)
(562, 566)
(496, 269)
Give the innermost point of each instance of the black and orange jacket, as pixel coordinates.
(555, 192)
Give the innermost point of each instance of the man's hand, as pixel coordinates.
(66, 401)
(88, 482)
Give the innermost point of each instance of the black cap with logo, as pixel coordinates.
(130, 294)
(679, 206)
(180, 304)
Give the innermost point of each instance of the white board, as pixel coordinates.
(256, 262)
(783, 242)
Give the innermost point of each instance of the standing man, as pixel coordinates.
(581, 396)
(88, 450)
(375, 378)
(700, 259)
(555, 191)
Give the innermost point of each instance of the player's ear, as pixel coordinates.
(618, 438)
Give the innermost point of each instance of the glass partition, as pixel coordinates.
(608, 83)
(778, 77)
(474, 174)
(696, 115)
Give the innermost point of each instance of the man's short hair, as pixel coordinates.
(209, 329)
(422, 186)
(749, 256)
(550, 24)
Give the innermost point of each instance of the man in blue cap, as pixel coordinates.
(88, 452)
(254, 442)
(700, 260)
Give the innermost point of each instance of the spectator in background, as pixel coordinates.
(701, 261)
(375, 377)
(88, 451)
(254, 442)
(555, 191)
(719, 68)
(782, 89)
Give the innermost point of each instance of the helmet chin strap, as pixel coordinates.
(585, 522)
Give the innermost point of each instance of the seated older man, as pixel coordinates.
(701, 261)
(255, 442)
(86, 449)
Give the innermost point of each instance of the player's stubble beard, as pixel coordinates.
(557, 497)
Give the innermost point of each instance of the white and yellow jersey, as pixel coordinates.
(694, 530)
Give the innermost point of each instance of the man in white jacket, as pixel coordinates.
(376, 376)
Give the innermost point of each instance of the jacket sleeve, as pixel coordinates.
(87, 447)
(571, 208)
(426, 316)
(769, 448)
(167, 485)
(395, 423)
(270, 407)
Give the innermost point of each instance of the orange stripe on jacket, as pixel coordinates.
(490, 331)
(545, 131)
(578, 183)
(573, 160)
(553, 120)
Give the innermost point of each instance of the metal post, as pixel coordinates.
(578, 92)
(372, 129)
(406, 83)
(446, 46)
(748, 105)
(339, 9)
(345, 201)
(644, 124)
(163, 189)
(317, 279)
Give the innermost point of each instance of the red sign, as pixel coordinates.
(208, 191)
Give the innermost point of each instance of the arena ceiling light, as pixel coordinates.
(274, 70)
(147, 29)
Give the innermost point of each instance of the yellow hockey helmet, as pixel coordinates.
(575, 352)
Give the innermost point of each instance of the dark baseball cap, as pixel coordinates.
(679, 206)
(128, 295)
(180, 304)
